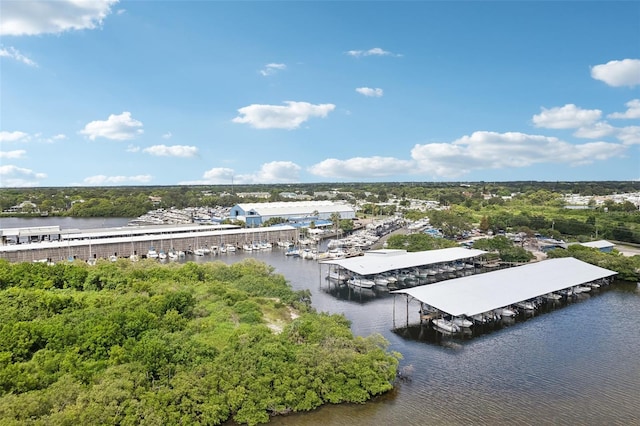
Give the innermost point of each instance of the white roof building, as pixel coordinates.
(480, 293)
(379, 261)
(254, 214)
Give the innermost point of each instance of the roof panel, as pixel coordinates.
(484, 292)
(378, 261)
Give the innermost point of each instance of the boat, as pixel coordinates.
(336, 276)
(152, 253)
(552, 296)
(581, 289)
(162, 255)
(199, 252)
(527, 306)
(231, 248)
(292, 252)
(381, 281)
(445, 326)
(113, 258)
(173, 255)
(360, 282)
(461, 322)
(506, 312)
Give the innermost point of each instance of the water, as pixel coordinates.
(579, 364)
(64, 222)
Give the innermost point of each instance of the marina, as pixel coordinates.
(54, 244)
(576, 358)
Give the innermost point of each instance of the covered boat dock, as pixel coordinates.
(400, 262)
(478, 294)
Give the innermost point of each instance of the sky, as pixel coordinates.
(116, 93)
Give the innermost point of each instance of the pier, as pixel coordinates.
(54, 244)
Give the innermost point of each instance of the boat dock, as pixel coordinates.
(491, 296)
(54, 244)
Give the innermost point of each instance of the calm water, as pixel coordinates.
(579, 364)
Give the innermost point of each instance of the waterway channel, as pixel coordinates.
(579, 364)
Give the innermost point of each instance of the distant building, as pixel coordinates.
(602, 245)
(255, 214)
(23, 207)
(253, 195)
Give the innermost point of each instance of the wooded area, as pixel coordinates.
(142, 343)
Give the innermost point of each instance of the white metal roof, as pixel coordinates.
(598, 244)
(378, 261)
(484, 292)
(295, 207)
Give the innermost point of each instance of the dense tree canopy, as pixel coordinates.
(124, 343)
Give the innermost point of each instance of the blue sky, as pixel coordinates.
(209, 92)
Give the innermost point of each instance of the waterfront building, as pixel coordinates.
(255, 214)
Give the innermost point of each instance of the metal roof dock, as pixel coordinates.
(476, 294)
(379, 261)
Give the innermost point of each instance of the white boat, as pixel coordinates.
(292, 252)
(247, 247)
(162, 255)
(336, 276)
(199, 252)
(527, 306)
(552, 296)
(113, 258)
(134, 257)
(461, 322)
(581, 289)
(360, 282)
(152, 253)
(231, 249)
(381, 281)
(506, 312)
(172, 255)
(444, 325)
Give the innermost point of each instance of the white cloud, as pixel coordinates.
(167, 135)
(58, 137)
(629, 135)
(490, 150)
(596, 130)
(290, 116)
(271, 69)
(273, 172)
(18, 153)
(116, 127)
(376, 51)
(361, 167)
(367, 91)
(45, 16)
(633, 110)
(116, 180)
(618, 73)
(219, 175)
(566, 117)
(14, 53)
(14, 176)
(15, 136)
(133, 148)
(278, 172)
(172, 151)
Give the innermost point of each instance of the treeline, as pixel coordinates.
(132, 343)
(132, 201)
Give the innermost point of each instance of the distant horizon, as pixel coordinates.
(332, 183)
(193, 93)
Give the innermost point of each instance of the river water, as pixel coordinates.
(579, 364)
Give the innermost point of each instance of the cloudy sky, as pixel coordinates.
(107, 92)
